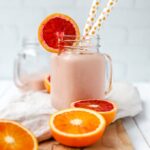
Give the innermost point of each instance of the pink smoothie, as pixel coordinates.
(76, 76)
(32, 83)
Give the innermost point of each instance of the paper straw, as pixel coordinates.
(103, 16)
(91, 17)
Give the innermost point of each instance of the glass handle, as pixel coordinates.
(109, 83)
(17, 81)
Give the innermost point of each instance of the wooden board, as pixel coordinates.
(115, 138)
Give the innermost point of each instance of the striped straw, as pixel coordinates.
(103, 16)
(91, 17)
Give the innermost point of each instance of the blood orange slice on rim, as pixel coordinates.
(105, 107)
(54, 26)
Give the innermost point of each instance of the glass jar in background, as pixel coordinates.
(31, 66)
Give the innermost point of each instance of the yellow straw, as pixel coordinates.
(91, 17)
(103, 16)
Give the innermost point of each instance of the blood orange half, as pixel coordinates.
(105, 107)
(56, 25)
(77, 127)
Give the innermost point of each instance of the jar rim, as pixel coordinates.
(71, 42)
(78, 37)
(29, 41)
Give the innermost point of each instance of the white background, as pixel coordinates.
(125, 35)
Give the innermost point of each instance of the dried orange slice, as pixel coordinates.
(47, 83)
(77, 127)
(105, 107)
(13, 136)
(57, 25)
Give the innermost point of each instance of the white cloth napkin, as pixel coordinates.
(127, 98)
(33, 109)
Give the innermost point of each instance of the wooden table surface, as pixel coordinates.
(137, 127)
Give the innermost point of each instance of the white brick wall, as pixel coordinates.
(141, 4)
(125, 35)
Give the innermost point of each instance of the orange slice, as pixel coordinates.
(56, 25)
(106, 108)
(77, 127)
(47, 83)
(13, 136)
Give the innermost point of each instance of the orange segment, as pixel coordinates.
(56, 25)
(47, 83)
(77, 127)
(14, 136)
(106, 108)
(70, 125)
(97, 105)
